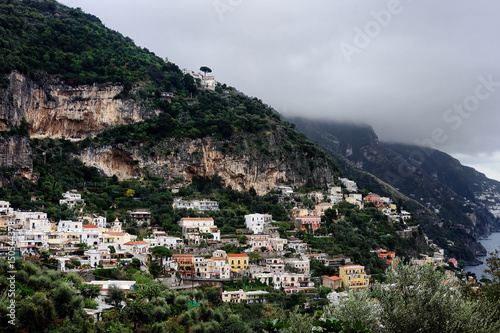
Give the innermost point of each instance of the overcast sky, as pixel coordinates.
(414, 70)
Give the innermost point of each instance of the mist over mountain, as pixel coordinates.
(465, 201)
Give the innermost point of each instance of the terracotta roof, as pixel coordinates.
(333, 278)
(217, 258)
(237, 255)
(308, 217)
(347, 266)
(89, 226)
(114, 233)
(135, 243)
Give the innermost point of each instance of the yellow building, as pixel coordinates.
(353, 276)
(238, 262)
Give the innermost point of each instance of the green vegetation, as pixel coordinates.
(418, 299)
(47, 36)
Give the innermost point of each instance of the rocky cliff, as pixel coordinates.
(15, 158)
(54, 109)
(179, 160)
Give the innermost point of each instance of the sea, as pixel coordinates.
(490, 244)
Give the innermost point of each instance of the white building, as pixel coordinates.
(350, 185)
(195, 228)
(70, 226)
(292, 280)
(72, 199)
(32, 220)
(5, 208)
(29, 240)
(285, 190)
(302, 265)
(256, 222)
(259, 243)
(160, 238)
(199, 205)
(206, 81)
(278, 244)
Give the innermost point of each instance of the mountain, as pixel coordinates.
(133, 114)
(464, 201)
(73, 89)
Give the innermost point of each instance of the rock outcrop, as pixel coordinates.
(54, 109)
(178, 161)
(15, 158)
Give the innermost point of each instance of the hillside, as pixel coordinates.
(463, 200)
(138, 115)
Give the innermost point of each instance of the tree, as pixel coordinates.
(89, 290)
(415, 299)
(130, 193)
(115, 295)
(161, 252)
(205, 70)
(139, 312)
(65, 299)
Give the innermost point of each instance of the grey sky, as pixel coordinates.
(396, 65)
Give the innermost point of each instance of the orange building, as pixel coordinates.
(387, 257)
(308, 223)
(185, 264)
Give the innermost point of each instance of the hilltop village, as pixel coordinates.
(263, 255)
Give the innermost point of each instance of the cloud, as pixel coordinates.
(416, 64)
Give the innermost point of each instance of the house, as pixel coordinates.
(307, 223)
(5, 208)
(72, 199)
(298, 246)
(301, 266)
(275, 265)
(199, 205)
(350, 185)
(116, 239)
(160, 238)
(387, 257)
(376, 200)
(260, 243)
(29, 240)
(353, 200)
(333, 282)
(237, 296)
(196, 228)
(211, 268)
(319, 209)
(126, 286)
(278, 244)
(136, 246)
(353, 276)
(293, 282)
(256, 222)
(296, 212)
(32, 220)
(140, 215)
(185, 264)
(91, 235)
(238, 262)
(335, 194)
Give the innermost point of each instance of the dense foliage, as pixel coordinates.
(47, 36)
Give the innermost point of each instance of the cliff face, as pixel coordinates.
(15, 158)
(184, 159)
(53, 109)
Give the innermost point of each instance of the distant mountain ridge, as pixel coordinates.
(464, 200)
